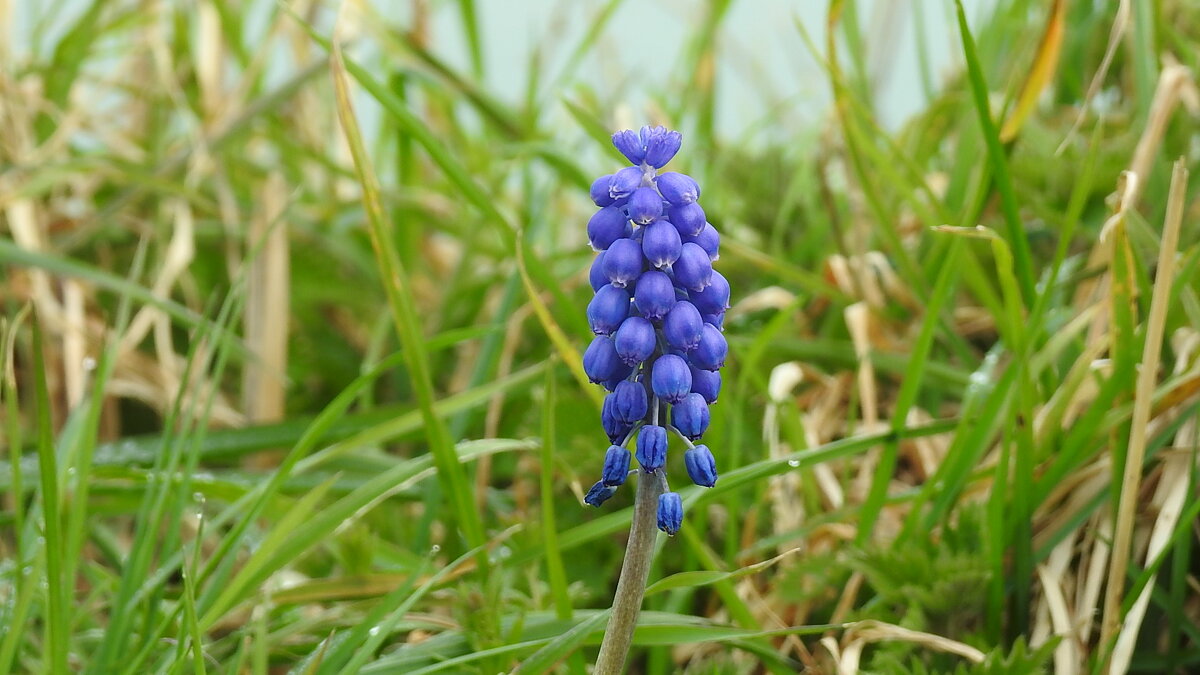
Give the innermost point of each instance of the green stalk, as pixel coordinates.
(639, 554)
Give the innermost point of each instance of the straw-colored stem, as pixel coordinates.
(639, 553)
(1131, 480)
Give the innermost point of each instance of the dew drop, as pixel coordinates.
(793, 463)
(89, 364)
(27, 570)
(374, 630)
(435, 549)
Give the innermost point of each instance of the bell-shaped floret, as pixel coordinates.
(671, 378)
(661, 243)
(608, 309)
(606, 226)
(670, 512)
(634, 340)
(682, 326)
(654, 294)
(677, 188)
(652, 447)
(693, 270)
(701, 466)
(710, 353)
(690, 416)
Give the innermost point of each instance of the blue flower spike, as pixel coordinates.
(658, 313)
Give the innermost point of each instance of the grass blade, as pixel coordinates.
(408, 327)
(57, 587)
(998, 161)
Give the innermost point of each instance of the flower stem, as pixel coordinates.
(639, 553)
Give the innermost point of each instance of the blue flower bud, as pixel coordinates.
(596, 274)
(624, 182)
(693, 270)
(661, 146)
(714, 298)
(599, 191)
(655, 294)
(599, 493)
(710, 353)
(677, 188)
(621, 374)
(600, 360)
(709, 240)
(608, 309)
(623, 262)
(652, 447)
(682, 326)
(707, 383)
(644, 205)
(715, 320)
(628, 143)
(635, 340)
(670, 512)
(616, 465)
(614, 427)
(701, 466)
(606, 226)
(689, 219)
(690, 416)
(661, 243)
(670, 378)
(629, 402)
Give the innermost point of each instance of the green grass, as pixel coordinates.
(400, 491)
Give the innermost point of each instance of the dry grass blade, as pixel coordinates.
(267, 304)
(862, 633)
(1147, 376)
(1040, 73)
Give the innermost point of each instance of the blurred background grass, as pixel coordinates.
(263, 416)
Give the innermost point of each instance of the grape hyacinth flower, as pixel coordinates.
(657, 313)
